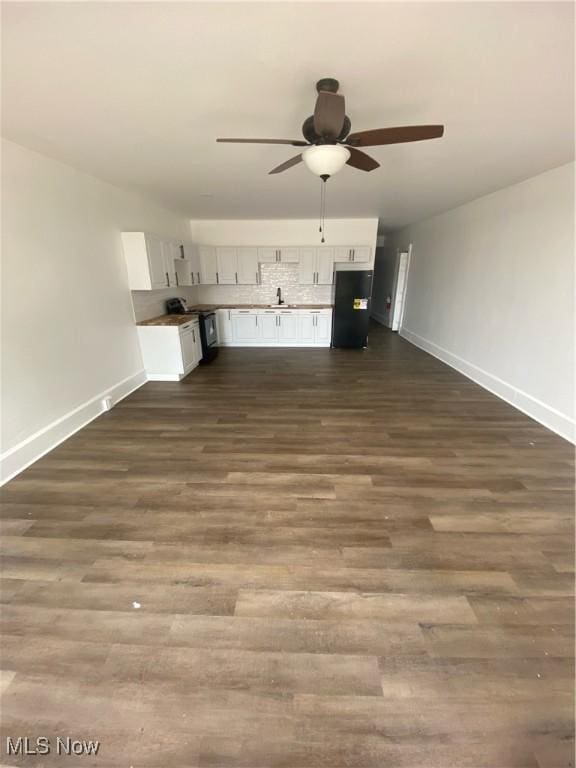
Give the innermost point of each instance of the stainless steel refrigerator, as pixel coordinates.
(352, 308)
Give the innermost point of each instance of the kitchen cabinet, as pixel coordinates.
(148, 261)
(247, 266)
(358, 254)
(275, 327)
(245, 326)
(268, 321)
(226, 259)
(237, 265)
(183, 272)
(278, 255)
(170, 352)
(192, 256)
(208, 265)
(224, 324)
(287, 326)
(316, 266)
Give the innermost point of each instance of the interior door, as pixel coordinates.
(227, 260)
(156, 262)
(307, 266)
(247, 260)
(400, 292)
(288, 328)
(324, 266)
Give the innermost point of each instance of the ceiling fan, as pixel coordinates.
(329, 143)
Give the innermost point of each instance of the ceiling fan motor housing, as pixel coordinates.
(310, 134)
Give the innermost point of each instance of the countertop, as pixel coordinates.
(193, 314)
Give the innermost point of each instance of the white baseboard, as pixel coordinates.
(16, 459)
(558, 422)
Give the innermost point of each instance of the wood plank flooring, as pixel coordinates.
(296, 559)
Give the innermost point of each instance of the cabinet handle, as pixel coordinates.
(192, 277)
(353, 253)
(198, 273)
(217, 278)
(193, 335)
(229, 317)
(256, 278)
(176, 276)
(236, 276)
(256, 318)
(167, 280)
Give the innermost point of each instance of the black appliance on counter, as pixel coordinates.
(351, 308)
(207, 323)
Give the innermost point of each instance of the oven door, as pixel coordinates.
(210, 329)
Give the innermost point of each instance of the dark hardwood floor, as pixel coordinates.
(296, 559)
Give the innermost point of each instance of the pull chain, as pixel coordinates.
(322, 228)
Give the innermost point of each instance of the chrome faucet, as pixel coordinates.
(279, 294)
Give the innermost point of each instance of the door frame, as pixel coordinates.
(397, 322)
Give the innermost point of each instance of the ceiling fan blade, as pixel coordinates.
(395, 135)
(286, 165)
(361, 160)
(292, 142)
(329, 114)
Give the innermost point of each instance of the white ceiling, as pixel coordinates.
(136, 93)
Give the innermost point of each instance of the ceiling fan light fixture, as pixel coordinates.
(325, 159)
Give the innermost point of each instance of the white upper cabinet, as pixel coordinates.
(193, 258)
(357, 254)
(247, 266)
(226, 258)
(146, 261)
(279, 255)
(316, 266)
(208, 265)
(184, 274)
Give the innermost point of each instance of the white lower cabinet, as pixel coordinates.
(245, 328)
(170, 352)
(224, 323)
(274, 327)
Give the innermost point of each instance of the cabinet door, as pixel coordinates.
(306, 327)
(267, 255)
(188, 346)
(361, 254)
(197, 342)
(208, 265)
(245, 326)
(268, 321)
(324, 266)
(171, 252)
(289, 255)
(342, 253)
(307, 266)
(224, 323)
(183, 270)
(288, 327)
(323, 329)
(193, 258)
(227, 265)
(248, 266)
(156, 264)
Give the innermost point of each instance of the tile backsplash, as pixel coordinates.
(149, 304)
(273, 276)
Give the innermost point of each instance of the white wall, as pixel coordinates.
(384, 284)
(68, 334)
(491, 292)
(284, 232)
